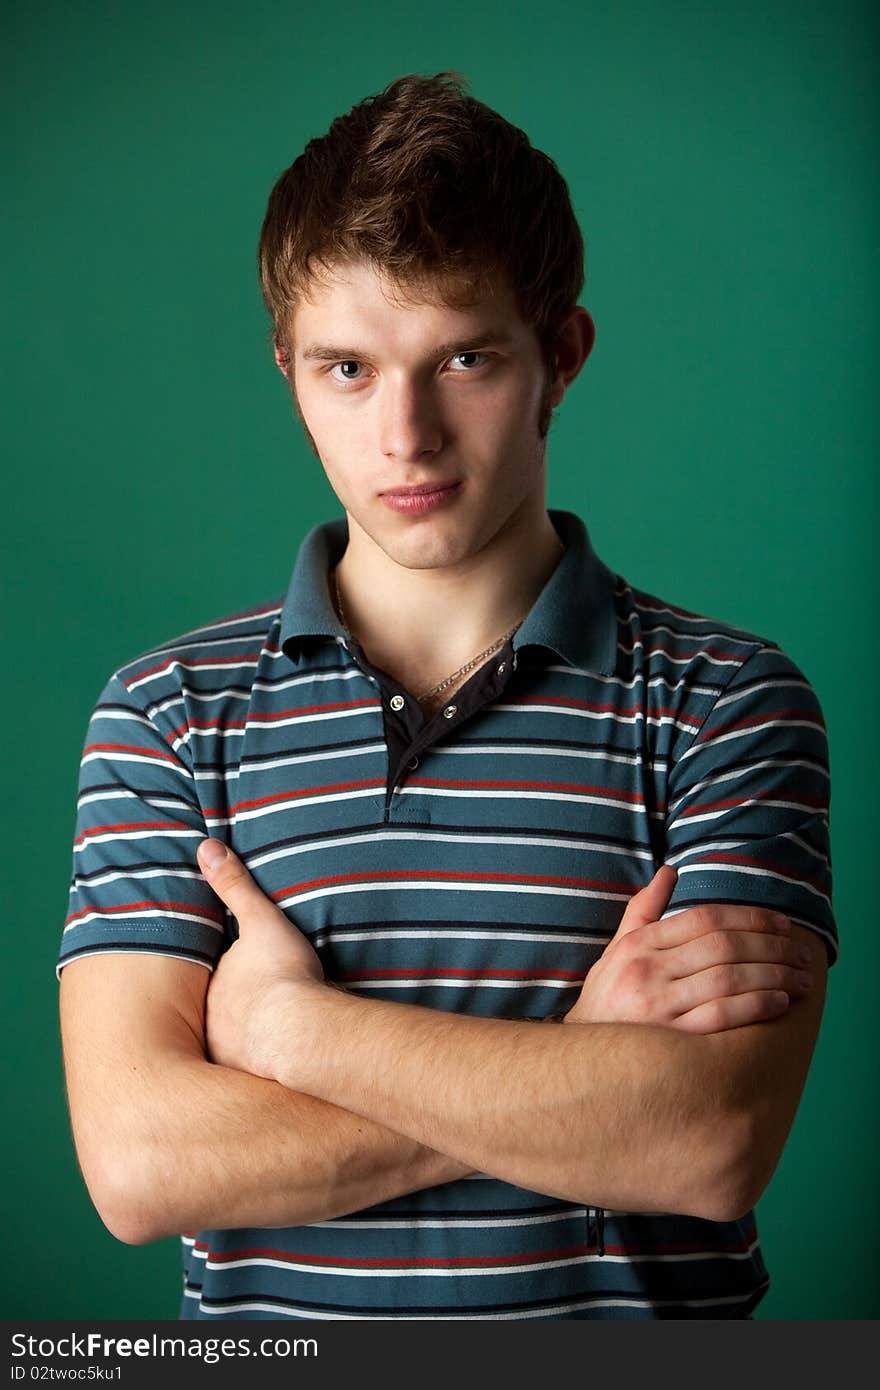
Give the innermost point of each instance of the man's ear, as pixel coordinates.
(574, 343)
(282, 356)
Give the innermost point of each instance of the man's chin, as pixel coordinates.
(425, 547)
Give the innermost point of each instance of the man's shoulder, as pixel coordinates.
(228, 648)
(704, 657)
(660, 615)
(665, 631)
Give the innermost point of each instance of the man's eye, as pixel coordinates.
(345, 373)
(468, 365)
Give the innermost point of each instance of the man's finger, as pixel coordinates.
(232, 883)
(735, 1011)
(708, 918)
(649, 904)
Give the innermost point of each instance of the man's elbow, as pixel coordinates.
(748, 1163)
(130, 1212)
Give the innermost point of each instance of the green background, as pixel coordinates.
(721, 443)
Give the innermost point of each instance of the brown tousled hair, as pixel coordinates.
(437, 191)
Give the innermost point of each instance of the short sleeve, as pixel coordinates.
(136, 884)
(749, 800)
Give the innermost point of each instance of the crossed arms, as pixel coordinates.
(315, 1103)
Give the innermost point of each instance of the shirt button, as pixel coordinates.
(449, 711)
(502, 668)
(397, 702)
(414, 764)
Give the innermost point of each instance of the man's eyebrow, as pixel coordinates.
(330, 352)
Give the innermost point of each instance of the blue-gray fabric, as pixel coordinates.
(484, 874)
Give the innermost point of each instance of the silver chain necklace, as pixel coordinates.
(462, 670)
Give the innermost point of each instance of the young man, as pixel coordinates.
(459, 784)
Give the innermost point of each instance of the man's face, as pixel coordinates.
(396, 395)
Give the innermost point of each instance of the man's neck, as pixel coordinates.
(422, 624)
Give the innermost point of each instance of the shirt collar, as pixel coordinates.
(573, 615)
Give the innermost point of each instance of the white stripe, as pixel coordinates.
(301, 759)
(738, 772)
(546, 750)
(703, 848)
(546, 1310)
(326, 798)
(448, 837)
(636, 681)
(83, 885)
(695, 636)
(142, 915)
(409, 885)
(732, 810)
(416, 1223)
(184, 666)
(810, 849)
(752, 872)
(795, 921)
(108, 754)
(738, 632)
(764, 685)
(679, 660)
(496, 794)
(189, 642)
(465, 983)
(136, 950)
(366, 708)
(423, 1272)
(638, 716)
(171, 803)
(340, 937)
(127, 716)
(176, 833)
(273, 611)
(245, 693)
(749, 733)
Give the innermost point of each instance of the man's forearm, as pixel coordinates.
(624, 1116)
(208, 1147)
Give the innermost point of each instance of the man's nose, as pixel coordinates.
(410, 426)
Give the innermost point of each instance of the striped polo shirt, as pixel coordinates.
(477, 863)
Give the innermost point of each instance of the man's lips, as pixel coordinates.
(422, 498)
(419, 489)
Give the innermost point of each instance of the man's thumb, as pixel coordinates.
(649, 904)
(231, 881)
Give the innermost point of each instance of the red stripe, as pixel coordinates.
(127, 748)
(304, 791)
(779, 795)
(810, 716)
(221, 622)
(163, 907)
(758, 864)
(317, 709)
(661, 608)
(128, 825)
(442, 875)
(456, 1261)
(485, 1261)
(193, 664)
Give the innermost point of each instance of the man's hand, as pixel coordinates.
(240, 1020)
(705, 970)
